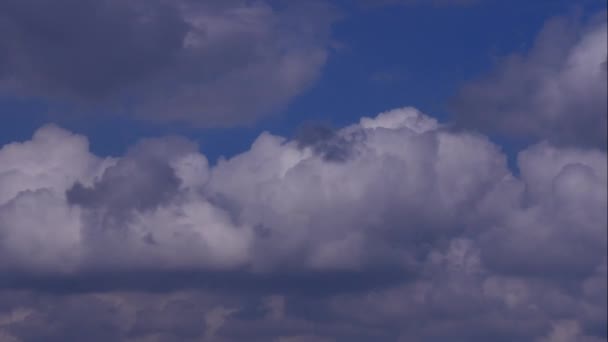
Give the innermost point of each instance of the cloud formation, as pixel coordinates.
(415, 233)
(555, 91)
(394, 228)
(207, 63)
(162, 205)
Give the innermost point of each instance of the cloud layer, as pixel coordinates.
(208, 63)
(393, 219)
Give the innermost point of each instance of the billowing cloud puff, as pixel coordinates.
(279, 205)
(558, 225)
(394, 228)
(556, 91)
(206, 63)
(367, 207)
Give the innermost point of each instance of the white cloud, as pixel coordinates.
(404, 185)
(479, 253)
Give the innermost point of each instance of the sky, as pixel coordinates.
(303, 171)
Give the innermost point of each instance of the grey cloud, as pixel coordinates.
(206, 63)
(141, 180)
(461, 300)
(555, 91)
(457, 300)
(116, 317)
(89, 48)
(326, 142)
(154, 184)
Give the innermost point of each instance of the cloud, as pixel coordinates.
(555, 91)
(460, 299)
(395, 228)
(205, 63)
(559, 228)
(456, 300)
(162, 207)
(415, 233)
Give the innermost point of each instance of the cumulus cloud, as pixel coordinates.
(206, 63)
(275, 206)
(555, 91)
(559, 226)
(395, 228)
(415, 232)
